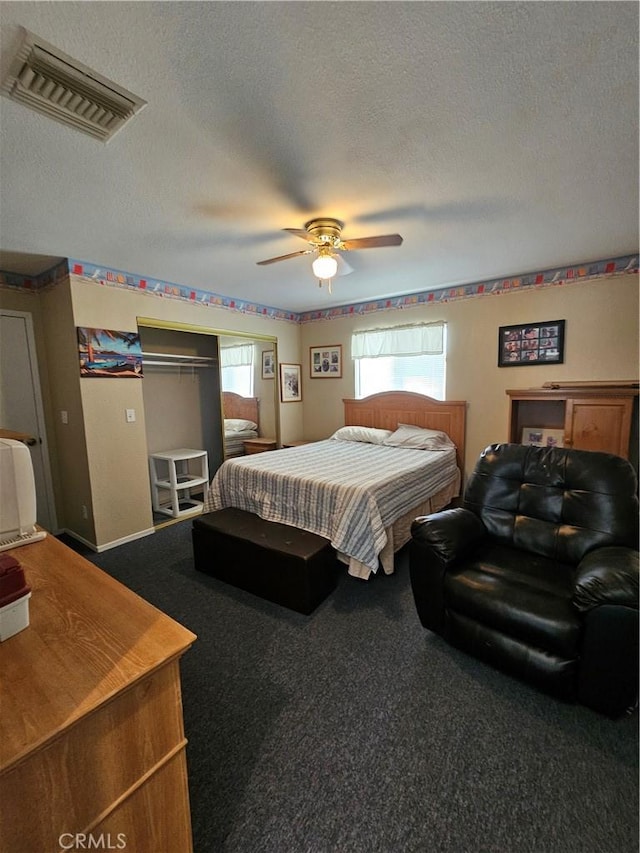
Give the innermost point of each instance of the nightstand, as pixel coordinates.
(295, 443)
(259, 445)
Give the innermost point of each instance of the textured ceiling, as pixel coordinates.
(497, 138)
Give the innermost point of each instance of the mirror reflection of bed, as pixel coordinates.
(241, 422)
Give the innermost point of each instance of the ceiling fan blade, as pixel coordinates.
(343, 267)
(284, 257)
(403, 211)
(372, 242)
(299, 232)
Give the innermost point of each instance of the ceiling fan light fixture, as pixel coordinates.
(325, 266)
(326, 243)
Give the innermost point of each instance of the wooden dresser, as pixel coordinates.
(91, 730)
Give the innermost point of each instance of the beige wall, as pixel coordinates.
(70, 439)
(117, 450)
(601, 343)
(113, 308)
(100, 461)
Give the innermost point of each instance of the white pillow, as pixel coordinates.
(418, 438)
(371, 435)
(238, 425)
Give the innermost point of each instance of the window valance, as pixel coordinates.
(425, 339)
(236, 356)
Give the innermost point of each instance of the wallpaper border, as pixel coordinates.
(627, 264)
(571, 274)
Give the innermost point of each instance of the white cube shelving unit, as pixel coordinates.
(174, 473)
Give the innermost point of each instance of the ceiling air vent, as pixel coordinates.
(49, 81)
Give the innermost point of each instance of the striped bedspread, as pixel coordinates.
(346, 491)
(234, 442)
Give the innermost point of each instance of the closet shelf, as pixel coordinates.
(167, 359)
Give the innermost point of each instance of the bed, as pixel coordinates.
(239, 413)
(361, 496)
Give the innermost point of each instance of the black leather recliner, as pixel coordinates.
(537, 572)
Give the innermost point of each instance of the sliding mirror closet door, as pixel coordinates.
(247, 370)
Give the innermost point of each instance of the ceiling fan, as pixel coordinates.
(326, 243)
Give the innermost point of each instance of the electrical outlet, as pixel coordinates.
(64, 417)
(85, 511)
(130, 415)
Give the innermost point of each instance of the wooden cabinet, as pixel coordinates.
(589, 416)
(91, 731)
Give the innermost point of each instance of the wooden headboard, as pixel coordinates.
(235, 406)
(387, 410)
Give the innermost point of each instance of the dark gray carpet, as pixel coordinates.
(356, 731)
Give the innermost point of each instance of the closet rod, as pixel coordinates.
(173, 364)
(168, 359)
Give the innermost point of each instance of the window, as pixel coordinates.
(403, 358)
(236, 369)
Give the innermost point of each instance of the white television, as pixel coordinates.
(17, 495)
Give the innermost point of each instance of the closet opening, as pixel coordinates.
(183, 400)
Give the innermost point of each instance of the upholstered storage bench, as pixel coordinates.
(283, 564)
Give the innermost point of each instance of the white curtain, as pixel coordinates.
(427, 339)
(236, 356)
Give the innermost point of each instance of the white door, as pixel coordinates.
(21, 403)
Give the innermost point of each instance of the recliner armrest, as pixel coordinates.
(607, 576)
(450, 534)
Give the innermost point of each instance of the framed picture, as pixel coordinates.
(290, 383)
(268, 364)
(325, 362)
(531, 343)
(543, 436)
(109, 353)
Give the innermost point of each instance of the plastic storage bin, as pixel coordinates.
(173, 474)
